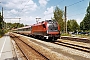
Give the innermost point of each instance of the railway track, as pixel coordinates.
(29, 52)
(73, 46)
(82, 47)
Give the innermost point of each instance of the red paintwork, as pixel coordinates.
(38, 27)
(54, 33)
(58, 27)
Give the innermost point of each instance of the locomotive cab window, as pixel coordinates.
(52, 26)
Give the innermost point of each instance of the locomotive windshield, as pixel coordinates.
(52, 26)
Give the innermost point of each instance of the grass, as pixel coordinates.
(84, 36)
(65, 34)
(81, 36)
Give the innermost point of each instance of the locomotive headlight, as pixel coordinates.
(48, 25)
(47, 31)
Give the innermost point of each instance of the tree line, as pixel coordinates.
(72, 24)
(5, 27)
(85, 24)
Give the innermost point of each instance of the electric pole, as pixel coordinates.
(2, 18)
(65, 26)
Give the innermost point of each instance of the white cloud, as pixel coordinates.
(78, 20)
(13, 11)
(19, 8)
(49, 13)
(30, 6)
(27, 10)
(43, 2)
(49, 10)
(28, 20)
(20, 5)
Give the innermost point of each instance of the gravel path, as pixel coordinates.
(63, 51)
(58, 52)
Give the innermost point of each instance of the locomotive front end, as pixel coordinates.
(53, 30)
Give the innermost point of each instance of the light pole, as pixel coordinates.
(19, 20)
(37, 19)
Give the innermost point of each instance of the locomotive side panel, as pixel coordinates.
(47, 29)
(39, 29)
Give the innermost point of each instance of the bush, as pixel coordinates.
(65, 34)
(2, 32)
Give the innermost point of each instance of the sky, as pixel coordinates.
(29, 10)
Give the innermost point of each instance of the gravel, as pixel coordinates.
(69, 51)
(58, 52)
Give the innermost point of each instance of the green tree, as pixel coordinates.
(58, 16)
(82, 26)
(2, 31)
(9, 25)
(69, 26)
(85, 24)
(1, 21)
(72, 25)
(14, 25)
(17, 25)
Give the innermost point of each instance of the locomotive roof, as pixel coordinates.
(40, 23)
(43, 22)
(50, 20)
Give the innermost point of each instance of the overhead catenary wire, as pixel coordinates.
(18, 15)
(72, 4)
(25, 5)
(75, 3)
(23, 8)
(20, 11)
(72, 15)
(79, 9)
(61, 1)
(77, 14)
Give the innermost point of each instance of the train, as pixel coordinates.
(48, 29)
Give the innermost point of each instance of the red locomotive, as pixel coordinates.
(48, 29)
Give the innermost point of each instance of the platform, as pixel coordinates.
(6, 50)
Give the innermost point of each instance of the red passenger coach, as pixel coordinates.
(46, 29)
